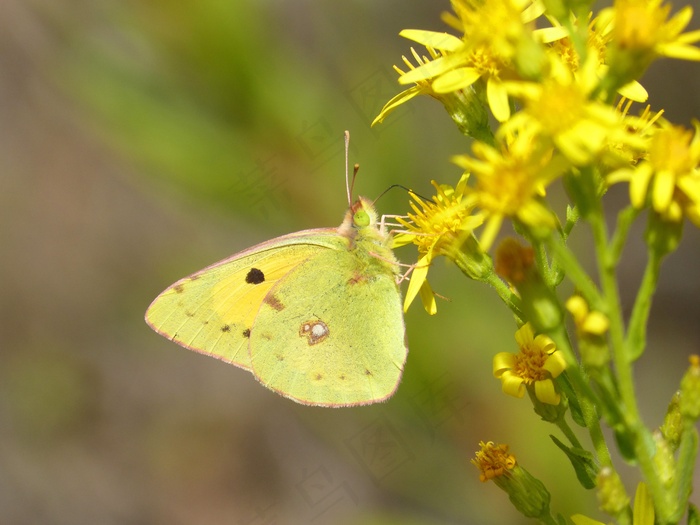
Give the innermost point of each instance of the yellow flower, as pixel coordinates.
(527, 494)
(670, 175)
(537, 363)
(559, 109)
(435, 226)
(500, 24)
(641, 127)
(493, 33)
(587, 322)
(421, 87)
(597, 42)
(454, 71)
(493, 460)
(641, 27)
(511, 181)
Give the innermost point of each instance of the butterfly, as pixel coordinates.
(315, 315)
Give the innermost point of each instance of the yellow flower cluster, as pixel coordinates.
(550, 81)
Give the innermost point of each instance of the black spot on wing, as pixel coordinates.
(246, 333)
(226, 328)
(255, 276)
(179, 288)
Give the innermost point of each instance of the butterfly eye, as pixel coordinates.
(361, 218)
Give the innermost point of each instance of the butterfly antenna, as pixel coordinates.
(409, 190)
(347, 177)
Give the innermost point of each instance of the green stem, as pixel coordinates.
(586, 397)
(511, 300)
(566, 430)
(608, 279)
(543, 263)
(574, 271)
(548, 519)
(634, 428)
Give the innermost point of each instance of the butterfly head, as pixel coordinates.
(363, 214)
(361, 219)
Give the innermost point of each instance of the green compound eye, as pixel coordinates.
(361, 218)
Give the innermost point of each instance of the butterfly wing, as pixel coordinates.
(329, 334)
(212, 311)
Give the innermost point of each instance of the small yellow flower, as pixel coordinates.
(597, 44)
(642, 127)
(421, 87)
(493, 460)
(670, 175)
(435, 226)
(537, 363)
(642, 27)
(511, 181)
(500, 24)
(454, 71)
(559, 109)
(587, 322)
(493, 33)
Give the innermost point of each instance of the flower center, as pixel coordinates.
(493, 460)
(558, 108)
(529, 364)
(670, 151)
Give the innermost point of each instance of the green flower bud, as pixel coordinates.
(664, 463)
(612, 496)
(690, 390)
(673, 422)
(525, 492)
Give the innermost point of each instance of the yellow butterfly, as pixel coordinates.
(315, 315)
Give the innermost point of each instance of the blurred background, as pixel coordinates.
(141, 141)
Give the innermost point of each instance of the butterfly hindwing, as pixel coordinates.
(212, 311)
(330, 333)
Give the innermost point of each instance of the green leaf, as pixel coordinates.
(584, 463)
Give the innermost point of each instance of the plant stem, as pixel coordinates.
(568, 261)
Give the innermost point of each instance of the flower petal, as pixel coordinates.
(498, 100)
(580, 519)
(441, 41)
(502, 362)
(525, 335)
(459, 78)
(664, 183)
(419, 275)
(639, 185)
(430, 69)
(545, 392)
(427, 297)
(555, 364)
(396, 101)
(512, 385)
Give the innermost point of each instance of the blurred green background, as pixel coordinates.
(141, 141)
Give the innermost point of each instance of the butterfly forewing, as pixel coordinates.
(212, 311)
